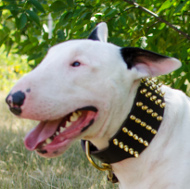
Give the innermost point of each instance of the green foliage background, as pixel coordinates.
(161, 26)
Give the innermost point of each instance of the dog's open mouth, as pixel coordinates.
(51, 138)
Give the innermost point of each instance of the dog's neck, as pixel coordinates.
(139, 128)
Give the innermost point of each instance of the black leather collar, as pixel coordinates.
(139, 128)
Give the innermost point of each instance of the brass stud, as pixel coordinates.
(143, 80)
(139, 104)
(144, 107)
(143, 124)
(136, 154)
(132, 117)
(145, 143)
(137, 120)
(153, 98)
(159, 118)
(121, 145)
(135, 136)
(153, 131)
(149, 111)
(148, 127)
(115, 142)
(131, 151)
(159, 101)
(143, 91)
(130, 133)
(140, 140)
(163, 105)
(148, 94)
(124, 129)
(159, 84)
(154, 114)
(126, 148)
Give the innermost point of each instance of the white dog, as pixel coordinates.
(93, 90)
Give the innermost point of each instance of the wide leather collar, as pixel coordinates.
(139, 128)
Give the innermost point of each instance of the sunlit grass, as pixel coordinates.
(22, 169)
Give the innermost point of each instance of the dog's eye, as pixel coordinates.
(75, 64)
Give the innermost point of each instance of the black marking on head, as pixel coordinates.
(85, 128)
(131, 55)
(94, 35)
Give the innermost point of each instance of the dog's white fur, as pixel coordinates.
(104, 81)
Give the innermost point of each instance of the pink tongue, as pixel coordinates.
(40, 133)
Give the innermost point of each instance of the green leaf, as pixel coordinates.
(58, 6)
(21, 21)
(166, 5)
(70, 3)
(33, 16)
(37, 5)
(180, 6)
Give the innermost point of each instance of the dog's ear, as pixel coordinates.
(148, 63)
(100, 33)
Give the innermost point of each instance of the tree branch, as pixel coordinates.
(158, 18)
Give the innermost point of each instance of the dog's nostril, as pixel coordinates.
(15, 101)
(18, 98)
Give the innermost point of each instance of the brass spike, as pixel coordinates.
(153, 87)
(159, 101)
(130, 133)
(153, 98)
(143, 124)
(124, 129)
(140, 140)
(137, 120)
(162, 94)
(148, 83)
(159, 118)
(144, 107)
(132, 117)
(163, 105)
(136, 154)
(153, 131)
(143, 91)
(154, 114)
(131, 151)
(115, 142)
(121, 145)
(126, 148)
(149, 111)
(139, 104)
(158, 91)
(145, 143)
(135, 136)
(148, 127)
(149, 94)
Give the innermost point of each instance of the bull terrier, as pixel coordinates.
(93, 90)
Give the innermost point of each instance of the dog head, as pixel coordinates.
(82, 89)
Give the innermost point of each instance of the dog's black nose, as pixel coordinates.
(15, 101)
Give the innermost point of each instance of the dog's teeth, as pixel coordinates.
(57, 133)
(79, 113)
(44, 144)
(48, 141)
(68, 124)
(62, 129)
(74, 117)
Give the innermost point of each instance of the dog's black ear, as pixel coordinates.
(100, 33)
(149, 63)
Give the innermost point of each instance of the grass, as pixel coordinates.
(21, 169)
